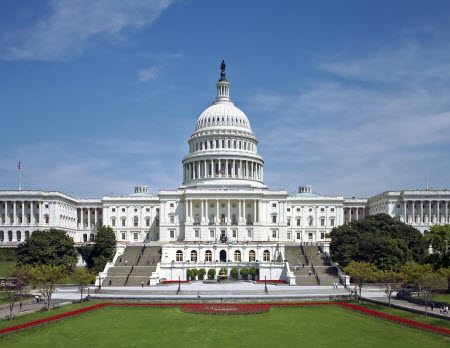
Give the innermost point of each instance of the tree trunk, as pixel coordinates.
(81, 291)
(390, 300)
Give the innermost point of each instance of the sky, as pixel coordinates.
(351, 97)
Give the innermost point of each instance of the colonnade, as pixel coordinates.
(425, 211)
(21, 213)
(89, 218)
(356, 213)
(227, 219)
(226, 168)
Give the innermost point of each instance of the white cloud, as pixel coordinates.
(71, 24)
(145, 75)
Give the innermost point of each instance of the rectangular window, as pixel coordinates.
(172, 234)
(310, 235)
(322, 235)
(171, 205)
(322, 222)
(229, 143)
(398, 206)
(157, 210)
(289, 222)
(197, 233)
(124, 235)
(332, 209)
(234, 233)
(211, 233)
(113, 222)
(274, 234)
(123, 222)
(332, 222)
(298, 222)
(147, 222)
(274, 219)
(298, 209)
(223, 144)
(274, 205)
(123, 210)
(136, 236)
(156, 222)
(113, 210)
(249, 233)
(172, 219)
(299, 236)
(289, 235)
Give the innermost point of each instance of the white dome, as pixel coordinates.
(223, 114)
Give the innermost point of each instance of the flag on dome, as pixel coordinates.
(18, 166)
(222, 170)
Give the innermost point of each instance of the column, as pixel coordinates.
(446, 212)
(206, 169)
(233, 169)
(246, 169)
(40, 213)
(82, 218)
(438, 213)
(217, 210)
(191, 201)
(240, 169)
(23, 212)
(260, 216)
(202, 210)
(89, 218)
(356, 211)
(404, 212)
(228, 211)
(421, 212)
(96, 217)
(262, 173)
(226, 168)
(429, 213)
(219, 169)
(15, 212)
(239, 210)
(32, 221)
(6, 214)
(413, 214)
(199, 172)
(254, 212)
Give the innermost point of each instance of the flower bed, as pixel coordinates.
(272, 281)
(233, 309)
(225, 309)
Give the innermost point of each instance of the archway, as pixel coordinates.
(223, 256)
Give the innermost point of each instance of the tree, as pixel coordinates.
(48, 277)
(445, 272)
(189, 274)
(202, 272)
(244, 272)
(391, 281)
(223, 271)
(361, 273)
(413, 271)
(54, 247)
(83, 277)
(211, 273)
(11, 291)
(194, 273)
(438, 238)
(23, 275)
(96, 256)
(378, 239)
(429, 282)
(234, 272)
(253, 272)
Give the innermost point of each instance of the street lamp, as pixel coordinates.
(179, 286)
(265, 285)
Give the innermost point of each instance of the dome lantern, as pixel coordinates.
(223, 86)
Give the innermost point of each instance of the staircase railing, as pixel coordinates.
(140, 255)
(315, 274)
(304, 255)
(128, 276)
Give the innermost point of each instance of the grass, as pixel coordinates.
(169, 327)
(441, 298)
(5, 267)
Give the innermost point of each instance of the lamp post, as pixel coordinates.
(265, 285)
(179, 286)
(99, 282)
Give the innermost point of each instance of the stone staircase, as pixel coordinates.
(326, 273)
(134, 266)
(294, 256)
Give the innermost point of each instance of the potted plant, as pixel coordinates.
(211, 273)
(244, 273)
(194, 273)
(201, 273)
(253, 271)
(234, 272)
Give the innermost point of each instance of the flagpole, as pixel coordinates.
(20, 180)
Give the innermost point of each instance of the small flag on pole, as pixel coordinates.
(222, 170)
(18, 166)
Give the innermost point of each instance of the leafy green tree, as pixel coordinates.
(378, 239)
(96, 256)
(189, 274)
(202, 272)
(194, 273)
(445, 272)
(23, 275)
(438, 238)
(413, 271)
(361, 273)
(211, 273)
(391, 281)
(253, 272)
(54, 247)
(244, 272)
(48, 277)
(429, 282)
(234, 272)
(223, 271)
(83, 277)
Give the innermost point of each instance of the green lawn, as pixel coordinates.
(5, 267)
(326, 326)
(442, 298)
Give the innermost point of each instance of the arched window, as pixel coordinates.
(237, 256)
(179, 255)
(2, 236)
(85, 237)
(19, 235)
(252, 256)
(310, 221)
(266, 255)
(193, 255)
(208, 255)
(136, 221)
(27, 235)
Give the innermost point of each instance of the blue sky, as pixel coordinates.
(351, 97)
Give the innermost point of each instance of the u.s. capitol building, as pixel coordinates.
(222, 214)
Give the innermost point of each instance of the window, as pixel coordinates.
(147, 221)
(332, 209)
(197, 233)
(298, 209)
(157, 210)
(310, 221)
(398, 206)
(46, 205)
(135, 210)
(310, 235)
(288, 209)
(172, 234)
(194, 256)
(274, 219)
(171, 205)
(274, 205)
(136, 221)
(332, 222)
(274, 234)
(147, 210)
(289, 235)
(223, 144)
(251, 256)
(322, 235)
(299, 235)
(156, 222)
(322, 222)
(124, 220)
(322, 209)
(208, 255)
(124, 235)
(289, 222)
(298, 221)
(113, 210)
(310, 209)
(249, 233)
(123, 210)
(211, 233)
(266, 255)
(136, 236)
(234, 233)
(113, 222)
(237, 256)
(172, 219)
(179, 255)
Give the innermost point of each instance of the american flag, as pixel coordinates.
(222, 170)
(18, 166)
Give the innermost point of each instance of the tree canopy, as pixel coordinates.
(96, 256)
(438, 238)
(54, 247)
(378, 239)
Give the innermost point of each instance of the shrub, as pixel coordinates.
(211, 273)
(234, 272)
(244, 272)
(194, 273)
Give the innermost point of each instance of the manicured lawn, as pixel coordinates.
(5, 267)
(442, 298)
(321, 326)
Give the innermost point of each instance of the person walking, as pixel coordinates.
(142, 284)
